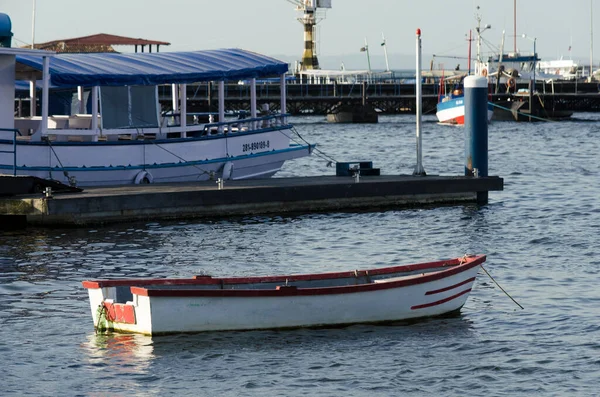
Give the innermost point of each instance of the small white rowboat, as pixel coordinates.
(204, 303)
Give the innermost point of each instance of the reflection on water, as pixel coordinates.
(131, 350)
(123, 362)
(291, 342)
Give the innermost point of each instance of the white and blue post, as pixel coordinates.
(476, 126)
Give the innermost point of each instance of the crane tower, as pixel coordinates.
(310, 18)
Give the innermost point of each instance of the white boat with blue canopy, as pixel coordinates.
(124, 136)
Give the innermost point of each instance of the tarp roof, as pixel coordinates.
(108, 69)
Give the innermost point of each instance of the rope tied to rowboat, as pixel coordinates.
(464, 260)
(502, 289)
(101, 326)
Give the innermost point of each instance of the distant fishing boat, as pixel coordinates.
(506, 71)
(451, 107)
(451, 103)
(205, 303)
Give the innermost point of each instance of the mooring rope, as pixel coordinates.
(495, 282)
(330, 160)
(71, 179)
(180, 158)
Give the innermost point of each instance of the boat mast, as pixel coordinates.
(501, 49)
(500, 59)
(478, 65)
(366, 50)
(515, 25)
(591, 40)
(469, 56)
(33, 25)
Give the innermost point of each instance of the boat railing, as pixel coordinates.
(15, 132)
(78, 128)
(247, 124)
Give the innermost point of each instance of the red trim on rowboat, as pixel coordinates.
(437, 291)
(278, 292)
(454, 266)
(448, 299)
(119, 312)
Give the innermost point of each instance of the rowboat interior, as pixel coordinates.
(280, 285)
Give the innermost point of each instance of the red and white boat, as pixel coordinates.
(204, 303)
(452, 110)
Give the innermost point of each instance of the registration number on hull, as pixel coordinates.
(250, 147)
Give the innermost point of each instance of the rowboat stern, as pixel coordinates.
(109, 314)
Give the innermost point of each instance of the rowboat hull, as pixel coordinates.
(207, 304)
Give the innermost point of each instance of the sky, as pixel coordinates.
(270, 26)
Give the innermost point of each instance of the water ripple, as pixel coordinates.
(540, 235)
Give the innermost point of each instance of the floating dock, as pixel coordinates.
(102, 205)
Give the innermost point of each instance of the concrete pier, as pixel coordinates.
(103, 205)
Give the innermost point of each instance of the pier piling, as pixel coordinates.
(476, 129)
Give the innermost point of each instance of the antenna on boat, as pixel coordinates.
(591, 40)
(33, 25)
(470, 39)
(515, 25)
(366, 49)
(479, 30)
(383, 44)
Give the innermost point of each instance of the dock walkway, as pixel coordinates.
(101, 205)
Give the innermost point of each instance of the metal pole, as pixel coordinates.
(175, 98)
(384, 44)
(45, 93)
(15, 153)
(95, 109)
(283, 98)
(32, 97)
(515, 25)
(469, 57)
(591, 40)
(534, 61)
(80, 98)
(419, 167)
(253, 112)
(221, 104)
(183, 109)
(33, 25)
(368, 57)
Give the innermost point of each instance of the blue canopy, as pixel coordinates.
(109, 69)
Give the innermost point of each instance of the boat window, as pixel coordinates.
(129, 107)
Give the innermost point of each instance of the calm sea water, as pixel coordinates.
(540, 234)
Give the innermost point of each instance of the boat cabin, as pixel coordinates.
(122, 90)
